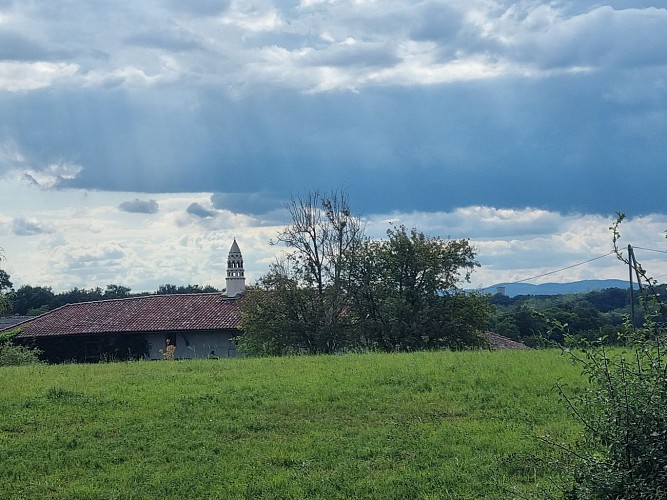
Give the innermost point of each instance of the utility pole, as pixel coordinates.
(631, 255)
(632, 265)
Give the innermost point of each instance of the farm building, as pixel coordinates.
(196, 325)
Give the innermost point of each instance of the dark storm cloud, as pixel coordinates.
(138, 206)
(512, 144)
(198, 210)
(427, 108)
(247, 203)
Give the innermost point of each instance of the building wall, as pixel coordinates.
(193, 344)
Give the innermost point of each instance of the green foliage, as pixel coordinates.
(4, 303)
(623, 451)
(456, 425)
(8, 336)
(12, 354)
(116, 292)
(336, 291)
(6, 285)
(405, 293)
(28, 298)
(303, 303)
(34, 300)
(587, 316)
(281, 317)
(167, 289)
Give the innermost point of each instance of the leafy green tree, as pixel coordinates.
(623, 450)
(116, 292)
(609, 299)
(77, 295)
(12, 354)
(28, 298)
(167, 289)
(276, 313)
(6, 286)
(406, 292)
(505, 324)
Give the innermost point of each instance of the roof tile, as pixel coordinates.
(150, 313)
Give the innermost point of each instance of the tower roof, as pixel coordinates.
(235, 247)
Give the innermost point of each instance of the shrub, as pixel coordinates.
(12, 354)
(623, 451)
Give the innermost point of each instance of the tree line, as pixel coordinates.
(593, 315)
(30, 300)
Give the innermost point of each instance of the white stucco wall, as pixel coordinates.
(193, 345)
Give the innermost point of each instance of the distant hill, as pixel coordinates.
(514, 289)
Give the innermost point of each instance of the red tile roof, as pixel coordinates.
(499, 342)
(151, 313)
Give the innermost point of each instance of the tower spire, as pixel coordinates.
(235, 272)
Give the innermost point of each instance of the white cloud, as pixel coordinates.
(254, 19)
(22, 226)
(53, 175)
(395, 43)
(24, 76)
(90, 243)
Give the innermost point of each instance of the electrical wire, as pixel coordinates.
(650, 250)
(582, 263)
(563, 269)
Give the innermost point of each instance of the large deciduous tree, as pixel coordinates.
(33, 300)
(336, 290)
(406, 293)
(302, 303)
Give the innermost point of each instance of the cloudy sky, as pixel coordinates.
(137, 139)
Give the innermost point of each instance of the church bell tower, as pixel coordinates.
(235, 273)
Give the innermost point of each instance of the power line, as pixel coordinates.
(563, 269)
(651, 250)
(581, 264)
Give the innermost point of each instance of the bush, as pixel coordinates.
(623, 451)
(12, 354)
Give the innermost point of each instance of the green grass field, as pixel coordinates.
(423, 425)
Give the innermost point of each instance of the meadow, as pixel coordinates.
(387, 426)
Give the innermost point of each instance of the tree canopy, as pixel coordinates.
(336, 289)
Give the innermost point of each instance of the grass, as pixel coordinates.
(423, 425)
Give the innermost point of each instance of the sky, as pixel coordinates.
(138, 139)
